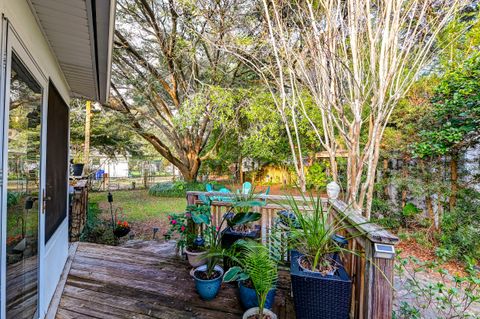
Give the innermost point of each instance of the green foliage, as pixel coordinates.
(455, 119)
(314, 236)
(188, 225)
(179, 188)
(243, 218)
(316, 177)
(13, 198)
(97, 230)
(110, 134)
(257, 265)
(461, 227)
(446, 296)
(410, 210)
(384, 215)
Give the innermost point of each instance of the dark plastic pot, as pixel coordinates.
(229, 236)
(208, 289)
(320, 297)
(77, 169)
(248, 297)
(121, 232)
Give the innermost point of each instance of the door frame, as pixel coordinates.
(12, 42)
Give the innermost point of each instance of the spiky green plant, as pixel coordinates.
(256, 264)
(314, 232)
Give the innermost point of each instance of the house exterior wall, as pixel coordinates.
(53, 254)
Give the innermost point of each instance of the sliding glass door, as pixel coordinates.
(22, 182)
(23, 211)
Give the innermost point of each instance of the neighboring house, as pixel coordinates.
(51, 50)
(114, 167)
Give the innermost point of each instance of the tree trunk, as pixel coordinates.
(240, 170)
(453, 181)
(428, 196)
(404, 188)
(429, 207)
(385, 176)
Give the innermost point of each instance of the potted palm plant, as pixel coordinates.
(259, 268)
(243, 253)
(320, 285)
(208, 277)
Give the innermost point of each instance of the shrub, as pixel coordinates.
(179, 188)
(13, 198)
(443, 296)
(461, 227)
(97, 230)
(316, 177)
(384, 215)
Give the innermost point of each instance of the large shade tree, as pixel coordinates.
(171, 82)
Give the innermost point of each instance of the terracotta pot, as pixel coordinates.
(195, 259)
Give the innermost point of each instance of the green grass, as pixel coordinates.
(138, 205)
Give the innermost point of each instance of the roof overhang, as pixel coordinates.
(80, 34)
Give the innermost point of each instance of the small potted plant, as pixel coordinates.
(259, 269)
(245, 253)
(189, 226)
(77, 164)
(208, 277)
(122, 228)
(321, 287)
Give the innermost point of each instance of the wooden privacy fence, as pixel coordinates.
(370, 267)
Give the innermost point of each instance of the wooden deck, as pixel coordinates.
(118, 282)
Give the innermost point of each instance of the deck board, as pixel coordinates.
(118, 282)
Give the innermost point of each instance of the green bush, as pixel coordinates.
(180, 188)
(461, 227)
(13, 198)
(410, 210)
(384, 215)
(316, 177)
(97, 230)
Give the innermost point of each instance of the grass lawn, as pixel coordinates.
(141, 210)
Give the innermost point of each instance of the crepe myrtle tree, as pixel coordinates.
(170, 83)
(356, 59)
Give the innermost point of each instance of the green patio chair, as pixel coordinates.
(246, 188)
(209, 187)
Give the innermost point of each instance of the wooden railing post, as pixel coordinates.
(379, 276)
(191, 198)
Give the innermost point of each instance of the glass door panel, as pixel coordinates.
(24, 132)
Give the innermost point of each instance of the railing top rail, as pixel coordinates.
(373, 232)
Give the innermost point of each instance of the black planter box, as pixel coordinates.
(229, 237)
(320, 297)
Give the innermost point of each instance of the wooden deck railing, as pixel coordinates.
(372, 273)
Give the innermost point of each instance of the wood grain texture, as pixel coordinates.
(117, 282)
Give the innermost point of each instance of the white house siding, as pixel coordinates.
(54, 253)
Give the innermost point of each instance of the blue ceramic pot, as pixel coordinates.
(208, 289)
(249, 299)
